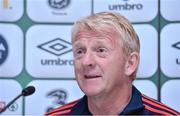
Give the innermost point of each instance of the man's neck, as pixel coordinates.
(110, 104)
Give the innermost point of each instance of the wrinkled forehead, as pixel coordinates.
(99, 31)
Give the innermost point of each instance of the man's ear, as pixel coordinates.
(132, 63)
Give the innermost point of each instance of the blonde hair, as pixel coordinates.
(130, 40)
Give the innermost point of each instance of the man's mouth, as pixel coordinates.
(91, 76)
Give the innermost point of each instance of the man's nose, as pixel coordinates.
(88, 59)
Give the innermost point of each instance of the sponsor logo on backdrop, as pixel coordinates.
(59, 96)
(5, 4)
(177, 46)
(126, 5)
(13, 107)
(3, 50)
(57, 47)
(58, 6)
(11, 10)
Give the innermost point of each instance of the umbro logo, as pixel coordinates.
(56, 46)
(176, 45)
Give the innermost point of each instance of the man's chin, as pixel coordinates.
(91, 93)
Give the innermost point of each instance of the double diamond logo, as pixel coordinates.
(56, 46)
(176, 45)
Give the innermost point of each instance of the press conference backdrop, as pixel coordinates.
(35, 49)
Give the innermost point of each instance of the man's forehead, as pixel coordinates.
(108, 33)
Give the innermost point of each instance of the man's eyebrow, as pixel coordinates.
(77, 45)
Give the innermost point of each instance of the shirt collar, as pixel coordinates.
(135, 105)
(81, 108)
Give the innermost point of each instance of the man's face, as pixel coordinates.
(99, 62)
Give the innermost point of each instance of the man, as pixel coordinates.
(106, 53)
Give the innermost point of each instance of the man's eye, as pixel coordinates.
(101, 50)
(78, 53)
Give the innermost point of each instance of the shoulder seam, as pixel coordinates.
(160, 112)
(64, 112)
(155, 103)
(64, 108)
(69, 105)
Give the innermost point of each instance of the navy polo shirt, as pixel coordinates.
(135, 105)
(139, 104)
